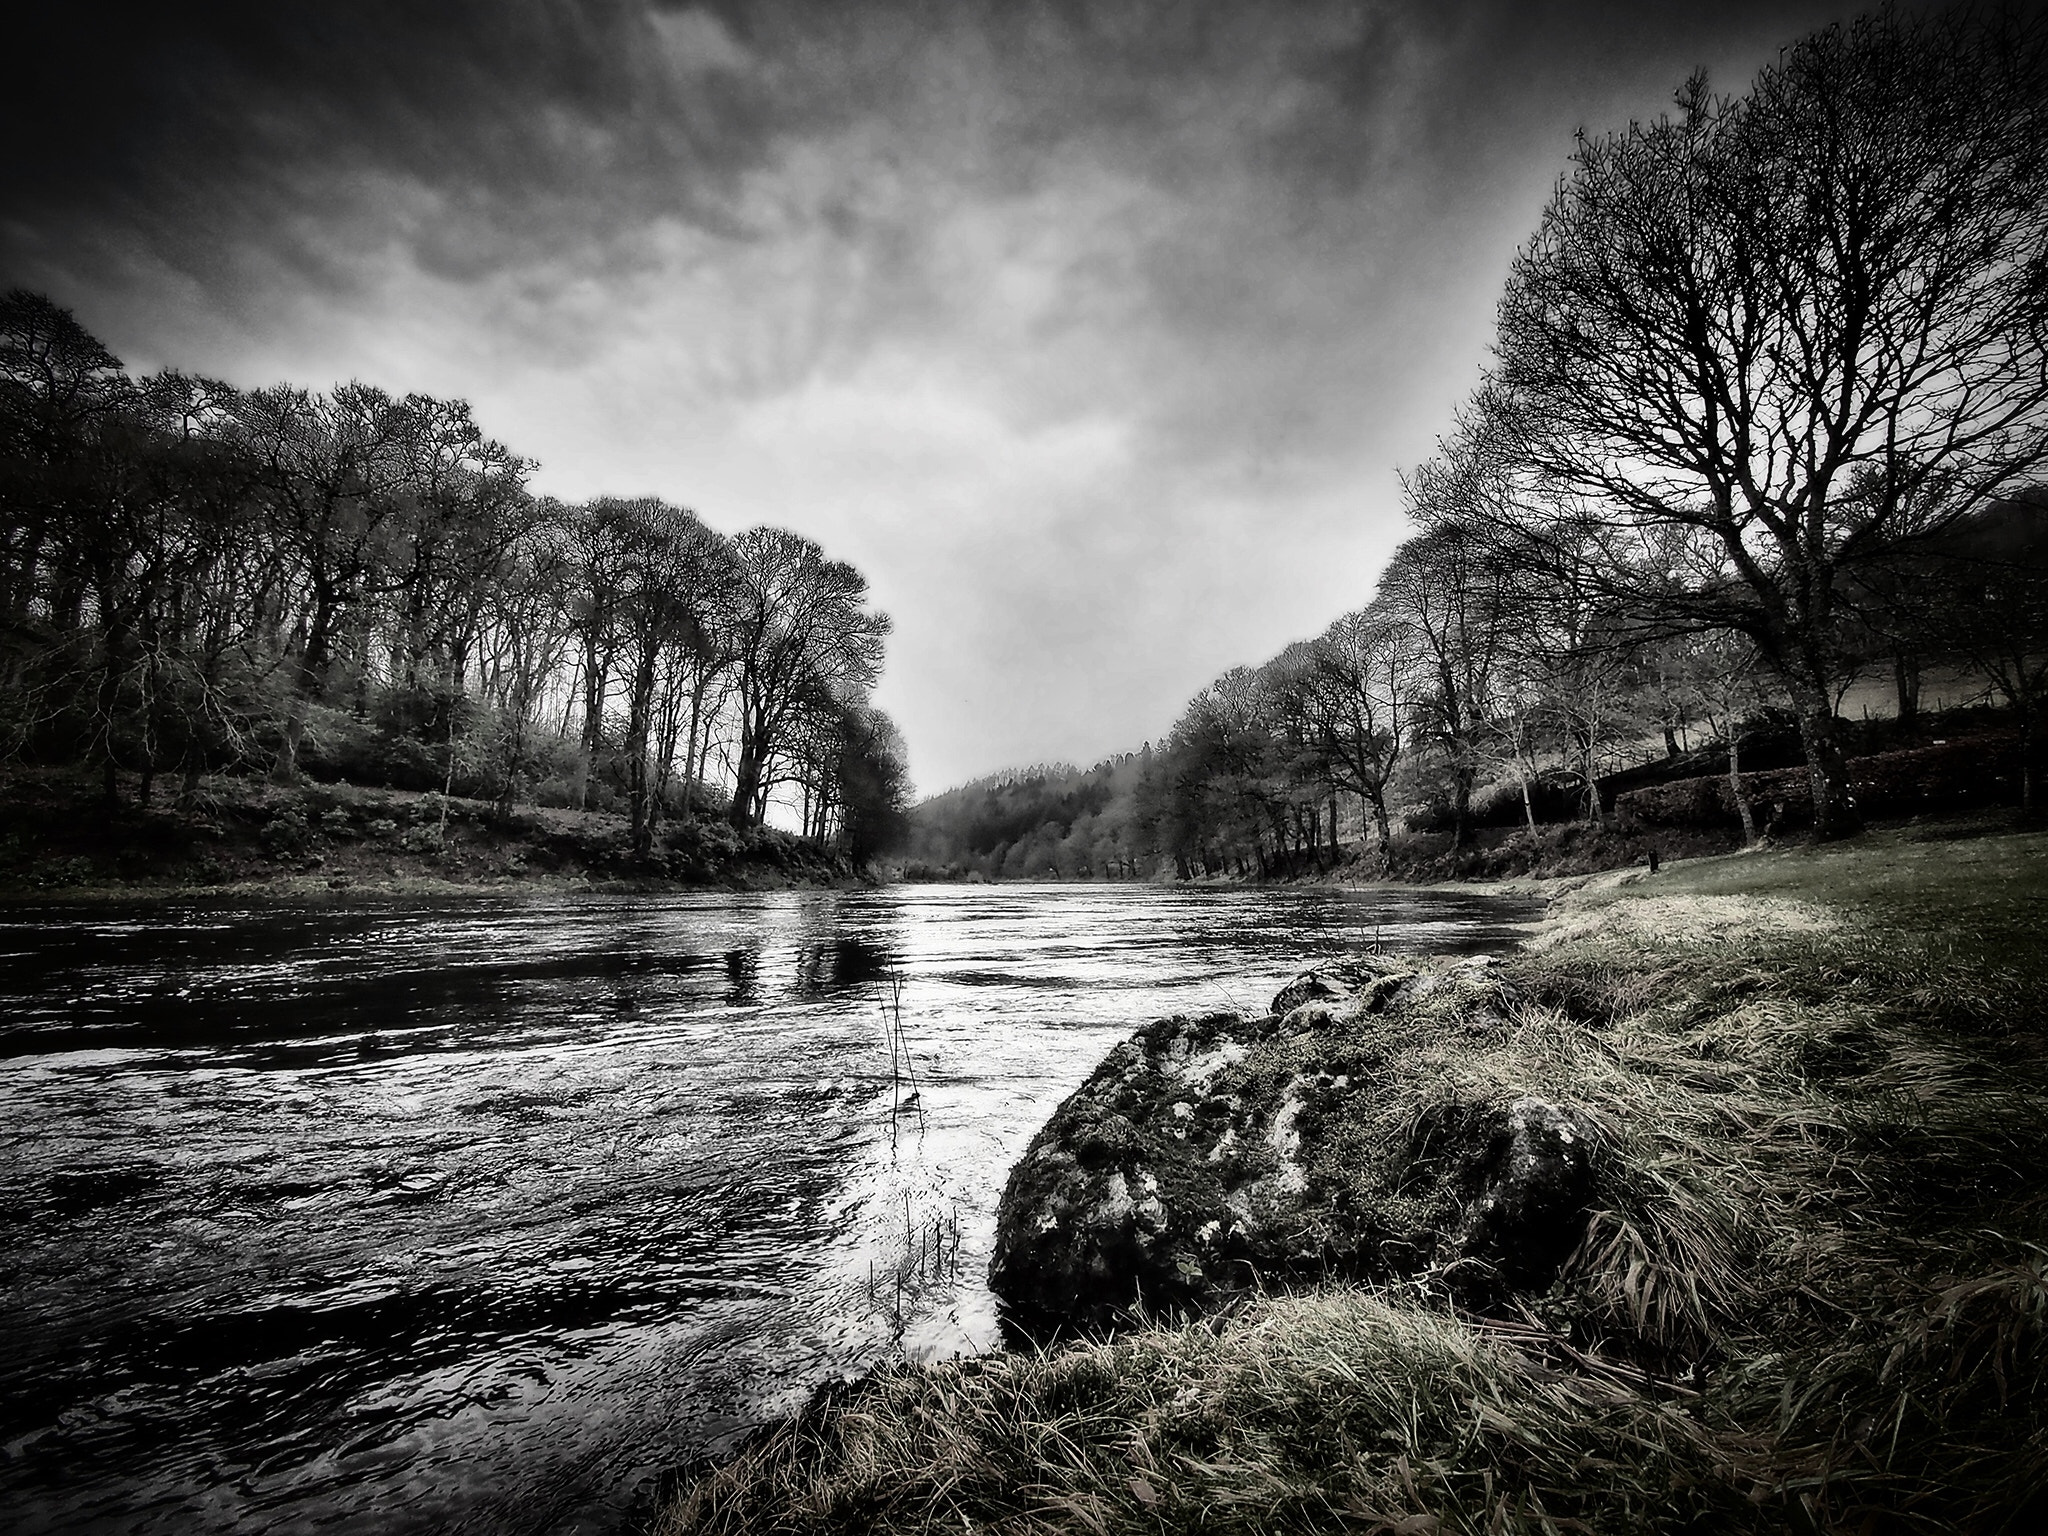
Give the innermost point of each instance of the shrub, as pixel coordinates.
(286, 834)
(424, 840)
(558, 794)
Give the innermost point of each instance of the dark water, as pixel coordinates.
(437, 1216)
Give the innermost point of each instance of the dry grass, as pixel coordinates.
(1344, 1410)
(1815, 1295)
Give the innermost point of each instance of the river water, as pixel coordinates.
(486, 1215)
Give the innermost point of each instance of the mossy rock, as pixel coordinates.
(1212, 1155)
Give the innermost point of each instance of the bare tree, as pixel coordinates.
(1753, 345)
(665, 565)
(527, 638)
(331, 480)
(1730, 687)
(58, 383)
(799, 622)
(464, 507)
(189, 574)
(1452, 595)
(596, 555)
(1362, 693)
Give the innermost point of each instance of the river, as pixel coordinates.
(487, 1214)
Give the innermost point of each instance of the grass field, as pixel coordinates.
(1814, 1295)
(1971, 883)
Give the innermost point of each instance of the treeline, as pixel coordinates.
(1457, 698)
(1030, 823)
(196, 579)
(1767, 413)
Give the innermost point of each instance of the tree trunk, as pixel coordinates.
(639, 743)
(447, 787)
(1380, 824)
(308, 677)
(1461, 809)
(515, 750)
(1834, 808)
(1906, 674)
(285, 770)
(361, 697)
(746, 779)
(636, 804)
(2026, 763)
(1735, 789)
(665, 760)
(109, 702)
(690, 754)
(594, 690)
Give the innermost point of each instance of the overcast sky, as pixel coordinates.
(1094, 334)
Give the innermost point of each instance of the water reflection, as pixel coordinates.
(435, 1216)
(742, 970)
(839, 963)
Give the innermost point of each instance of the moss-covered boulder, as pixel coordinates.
(1350, 1130)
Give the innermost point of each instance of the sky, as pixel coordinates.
(1095, 335)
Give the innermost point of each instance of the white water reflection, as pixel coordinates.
(444, 1216)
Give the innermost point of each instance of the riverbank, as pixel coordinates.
(61, 840)
(1812, 1291)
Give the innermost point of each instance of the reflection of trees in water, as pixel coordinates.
(743, 970)
(834, 964)
(822, 959)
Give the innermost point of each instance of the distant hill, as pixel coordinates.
(1052, 820)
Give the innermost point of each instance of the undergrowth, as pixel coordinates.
(1813, 1295)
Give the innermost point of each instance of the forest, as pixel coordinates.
(1764, 427)
(281, 584)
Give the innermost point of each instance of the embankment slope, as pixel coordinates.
(60, 839)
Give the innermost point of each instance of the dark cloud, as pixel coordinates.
(516, 127)
(478, 134)
(228, 139)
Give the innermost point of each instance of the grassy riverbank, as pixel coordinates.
(61, 840)
(1816, 1296)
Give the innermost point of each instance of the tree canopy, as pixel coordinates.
(195, 578)
(1760, 344)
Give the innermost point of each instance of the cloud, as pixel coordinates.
(1093, 332)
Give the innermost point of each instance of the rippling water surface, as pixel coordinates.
(484, 1215)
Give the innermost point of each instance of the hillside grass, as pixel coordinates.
(1815, 1296)
(1975, 887)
